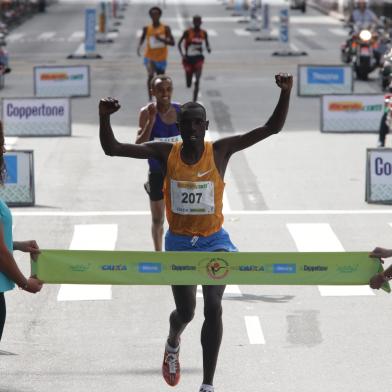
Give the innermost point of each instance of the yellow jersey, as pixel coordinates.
(156, 50)
(193, 194)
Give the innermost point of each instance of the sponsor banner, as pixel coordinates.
(379, 175)
(90, 20)
(210, 268)
(284, 25)
(18, 189)
(351, 113)
(315, 80)
(36, 116)
(62, 81)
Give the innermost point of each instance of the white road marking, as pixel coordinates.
(242, 32)
(15, 37)
(76, 36)
(212, 33)
(307, 32)
(80, 51)
(339, 32)
(46, 35)
(90, 237)
(319, 237)
(18, 212)
(253, 328)
(232, 291)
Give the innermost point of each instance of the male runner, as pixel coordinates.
(158, 37)
(193, 58)
(158, 121)
(193, 192)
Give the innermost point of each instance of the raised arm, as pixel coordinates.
(230, 145)
(112, 147)
(168, 40)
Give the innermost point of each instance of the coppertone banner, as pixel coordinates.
(209, 268)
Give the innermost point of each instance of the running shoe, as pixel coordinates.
(206, 388)
(171, 367)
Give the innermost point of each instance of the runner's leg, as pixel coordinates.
(185, 300)
(212, 330)
(197, 83)
(2, 313)
(150, 74)
(158, 219)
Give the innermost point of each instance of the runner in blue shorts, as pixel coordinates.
(193, 193)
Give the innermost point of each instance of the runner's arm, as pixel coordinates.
(146, 123)
(230, 145)
(168, 40)
(112, 147)
(142, 38)
(207, 42)
(179, 45)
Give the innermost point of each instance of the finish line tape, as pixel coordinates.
(206, 268)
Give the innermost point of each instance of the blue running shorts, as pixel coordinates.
(219, 241)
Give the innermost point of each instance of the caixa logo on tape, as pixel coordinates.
(114, 267)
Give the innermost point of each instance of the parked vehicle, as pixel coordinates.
(298, 4)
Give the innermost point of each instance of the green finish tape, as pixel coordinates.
(209, 268)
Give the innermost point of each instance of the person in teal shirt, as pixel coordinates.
(10, 273)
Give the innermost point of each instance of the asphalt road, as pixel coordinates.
(300, 190)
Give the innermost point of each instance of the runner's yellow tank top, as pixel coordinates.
(155, 50)
(193, 194)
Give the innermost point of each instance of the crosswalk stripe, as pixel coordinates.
(212, 33)
(253, 328)
(46, 35)
(242, 32)
(232, 291)
(90, 237)
(319, 237)
(339, 32)
(306, 32)
(15, 37)
(76, 36)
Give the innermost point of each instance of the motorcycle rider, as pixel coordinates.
(361, 17)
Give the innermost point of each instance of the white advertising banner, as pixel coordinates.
(18, 188)
(62, 81)
(36, 116)
(379, 175)
(315, 80)
(351, 113)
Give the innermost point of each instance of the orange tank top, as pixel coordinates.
(156, 50)
(193, 194)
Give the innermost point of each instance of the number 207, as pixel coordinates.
(191, 198)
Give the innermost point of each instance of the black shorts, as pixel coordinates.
(154, 186)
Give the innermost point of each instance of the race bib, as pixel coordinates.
(169, 139)
(192, 198)
(156, 44)
(194, 50)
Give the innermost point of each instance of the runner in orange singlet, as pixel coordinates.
(193, 58)
(193, 189)
(158, 37)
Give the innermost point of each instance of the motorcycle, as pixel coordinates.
(386, 71)
(361, 50)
